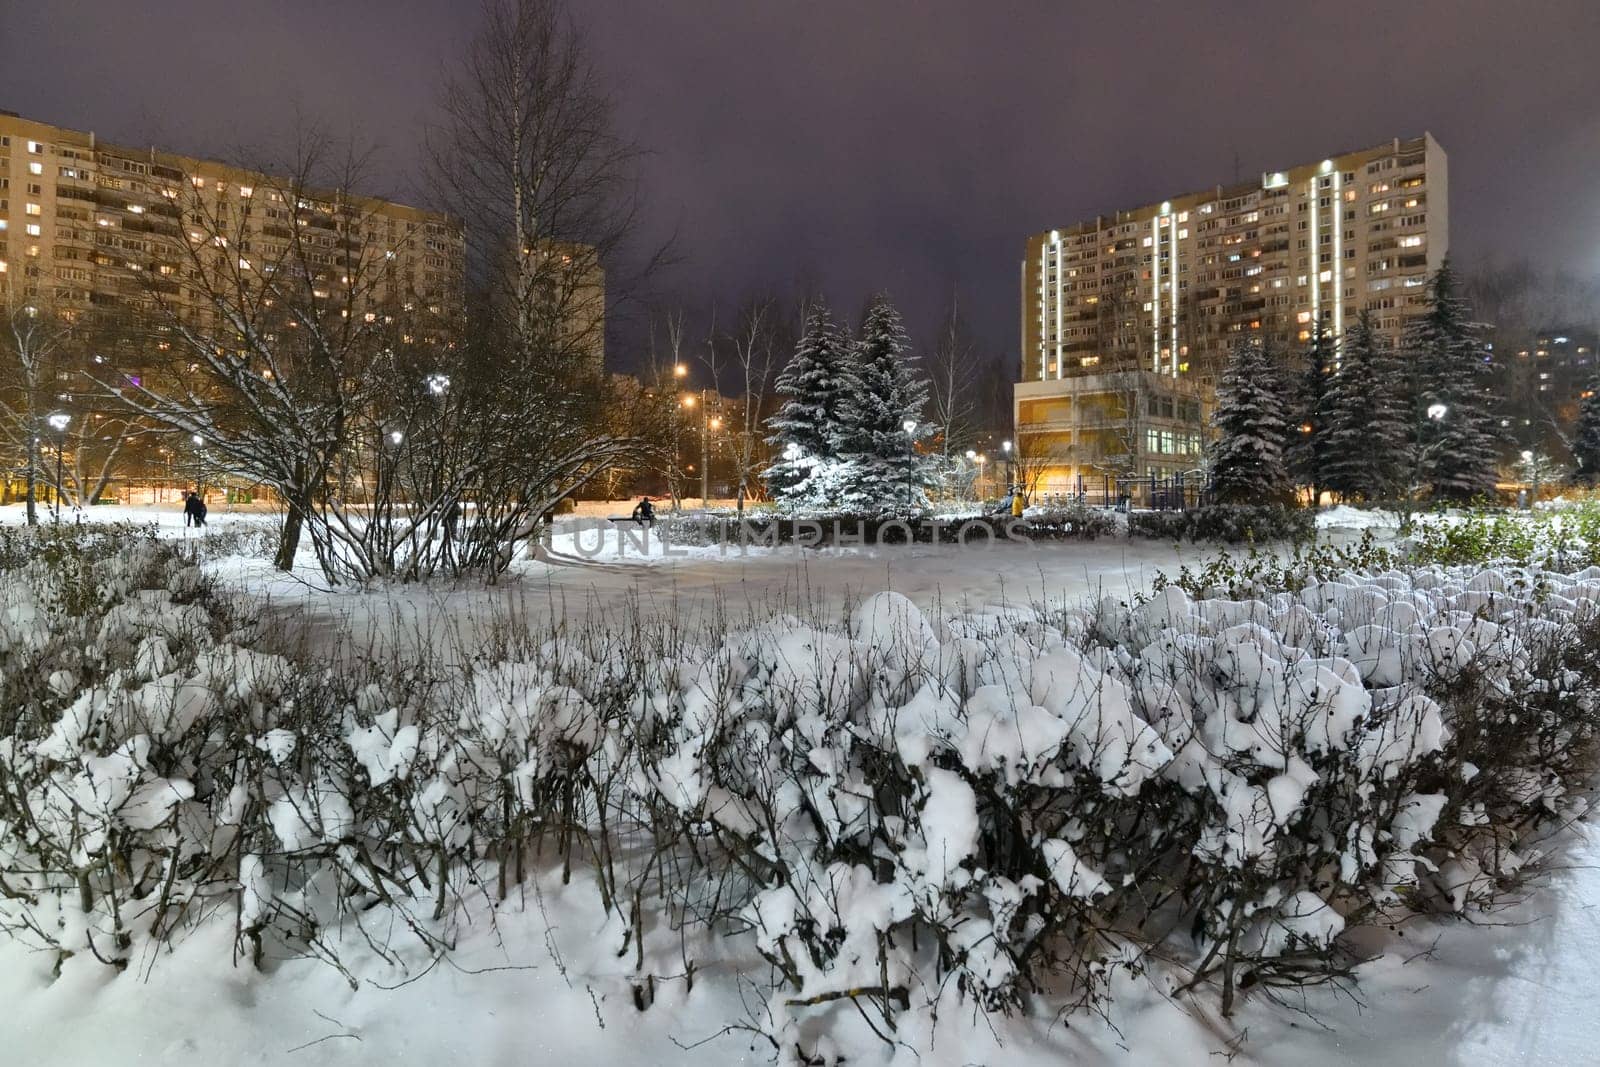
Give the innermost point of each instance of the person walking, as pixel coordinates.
(191, 509)
(1018, 502)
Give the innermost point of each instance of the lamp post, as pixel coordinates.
(1005, 446)
(394, 438)
(59, 421)
(199, 459)
(688, 404)
(679, 373)
(1436, 413)
(707, 424)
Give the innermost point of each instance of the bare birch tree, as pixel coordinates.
(37, 357)
(953, 372)
(743, 364)
(528, 156)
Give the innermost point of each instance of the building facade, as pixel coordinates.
(85, 223)
(102, 233)
(1150, 300)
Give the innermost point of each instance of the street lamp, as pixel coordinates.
(199, 457)
(59, 421)
(1436, 412)
(910, 426)
(1005, 446)
(438, 384)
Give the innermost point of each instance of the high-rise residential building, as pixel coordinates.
(1127, 318)
(85, 223)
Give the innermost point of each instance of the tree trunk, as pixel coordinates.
(289, 539)
(33, 480)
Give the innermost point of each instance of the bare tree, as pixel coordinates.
(37, 355)
(953, 372)
(529, 158)
(745, 362)
(281, 326)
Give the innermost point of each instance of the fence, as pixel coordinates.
(1176, 493)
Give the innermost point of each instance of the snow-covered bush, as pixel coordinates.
(890, 809)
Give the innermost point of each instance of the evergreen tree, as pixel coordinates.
(806, 428)
(1308, 454)
(1247, 460)
(882, 468)
(1456, 443)
(1586, 443)
(1366, 434)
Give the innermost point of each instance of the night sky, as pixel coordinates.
(897, 145)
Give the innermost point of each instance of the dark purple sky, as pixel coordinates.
(902, 145)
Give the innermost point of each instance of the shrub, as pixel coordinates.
(1226, 522)
(1231, 772)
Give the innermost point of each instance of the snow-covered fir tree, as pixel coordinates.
(882, 468)
(1308, 439)
(1365, 439)
(1586, 441)
(1247, 460)
(807, 426)
(1454, 429)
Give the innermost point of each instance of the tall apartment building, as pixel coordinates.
(84, 223)
(1127, 318)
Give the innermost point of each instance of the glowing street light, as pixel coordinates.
(688, 400)
(438, 384)
(59, 421)
(1527, 455)
(396, 436)
(680, 371)
(910, 426)
(1436, 412)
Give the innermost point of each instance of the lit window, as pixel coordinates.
(35, 147)
(32, 209)
(198, 182)
(35, 168)
(1414, 241)
(136, 209)
(1304, 316)
(2, 266)
(246, 191)
(33, 229)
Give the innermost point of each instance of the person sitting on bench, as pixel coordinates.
(644, 512)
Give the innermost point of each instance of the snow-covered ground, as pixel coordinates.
(543, 982)
(544, 986)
